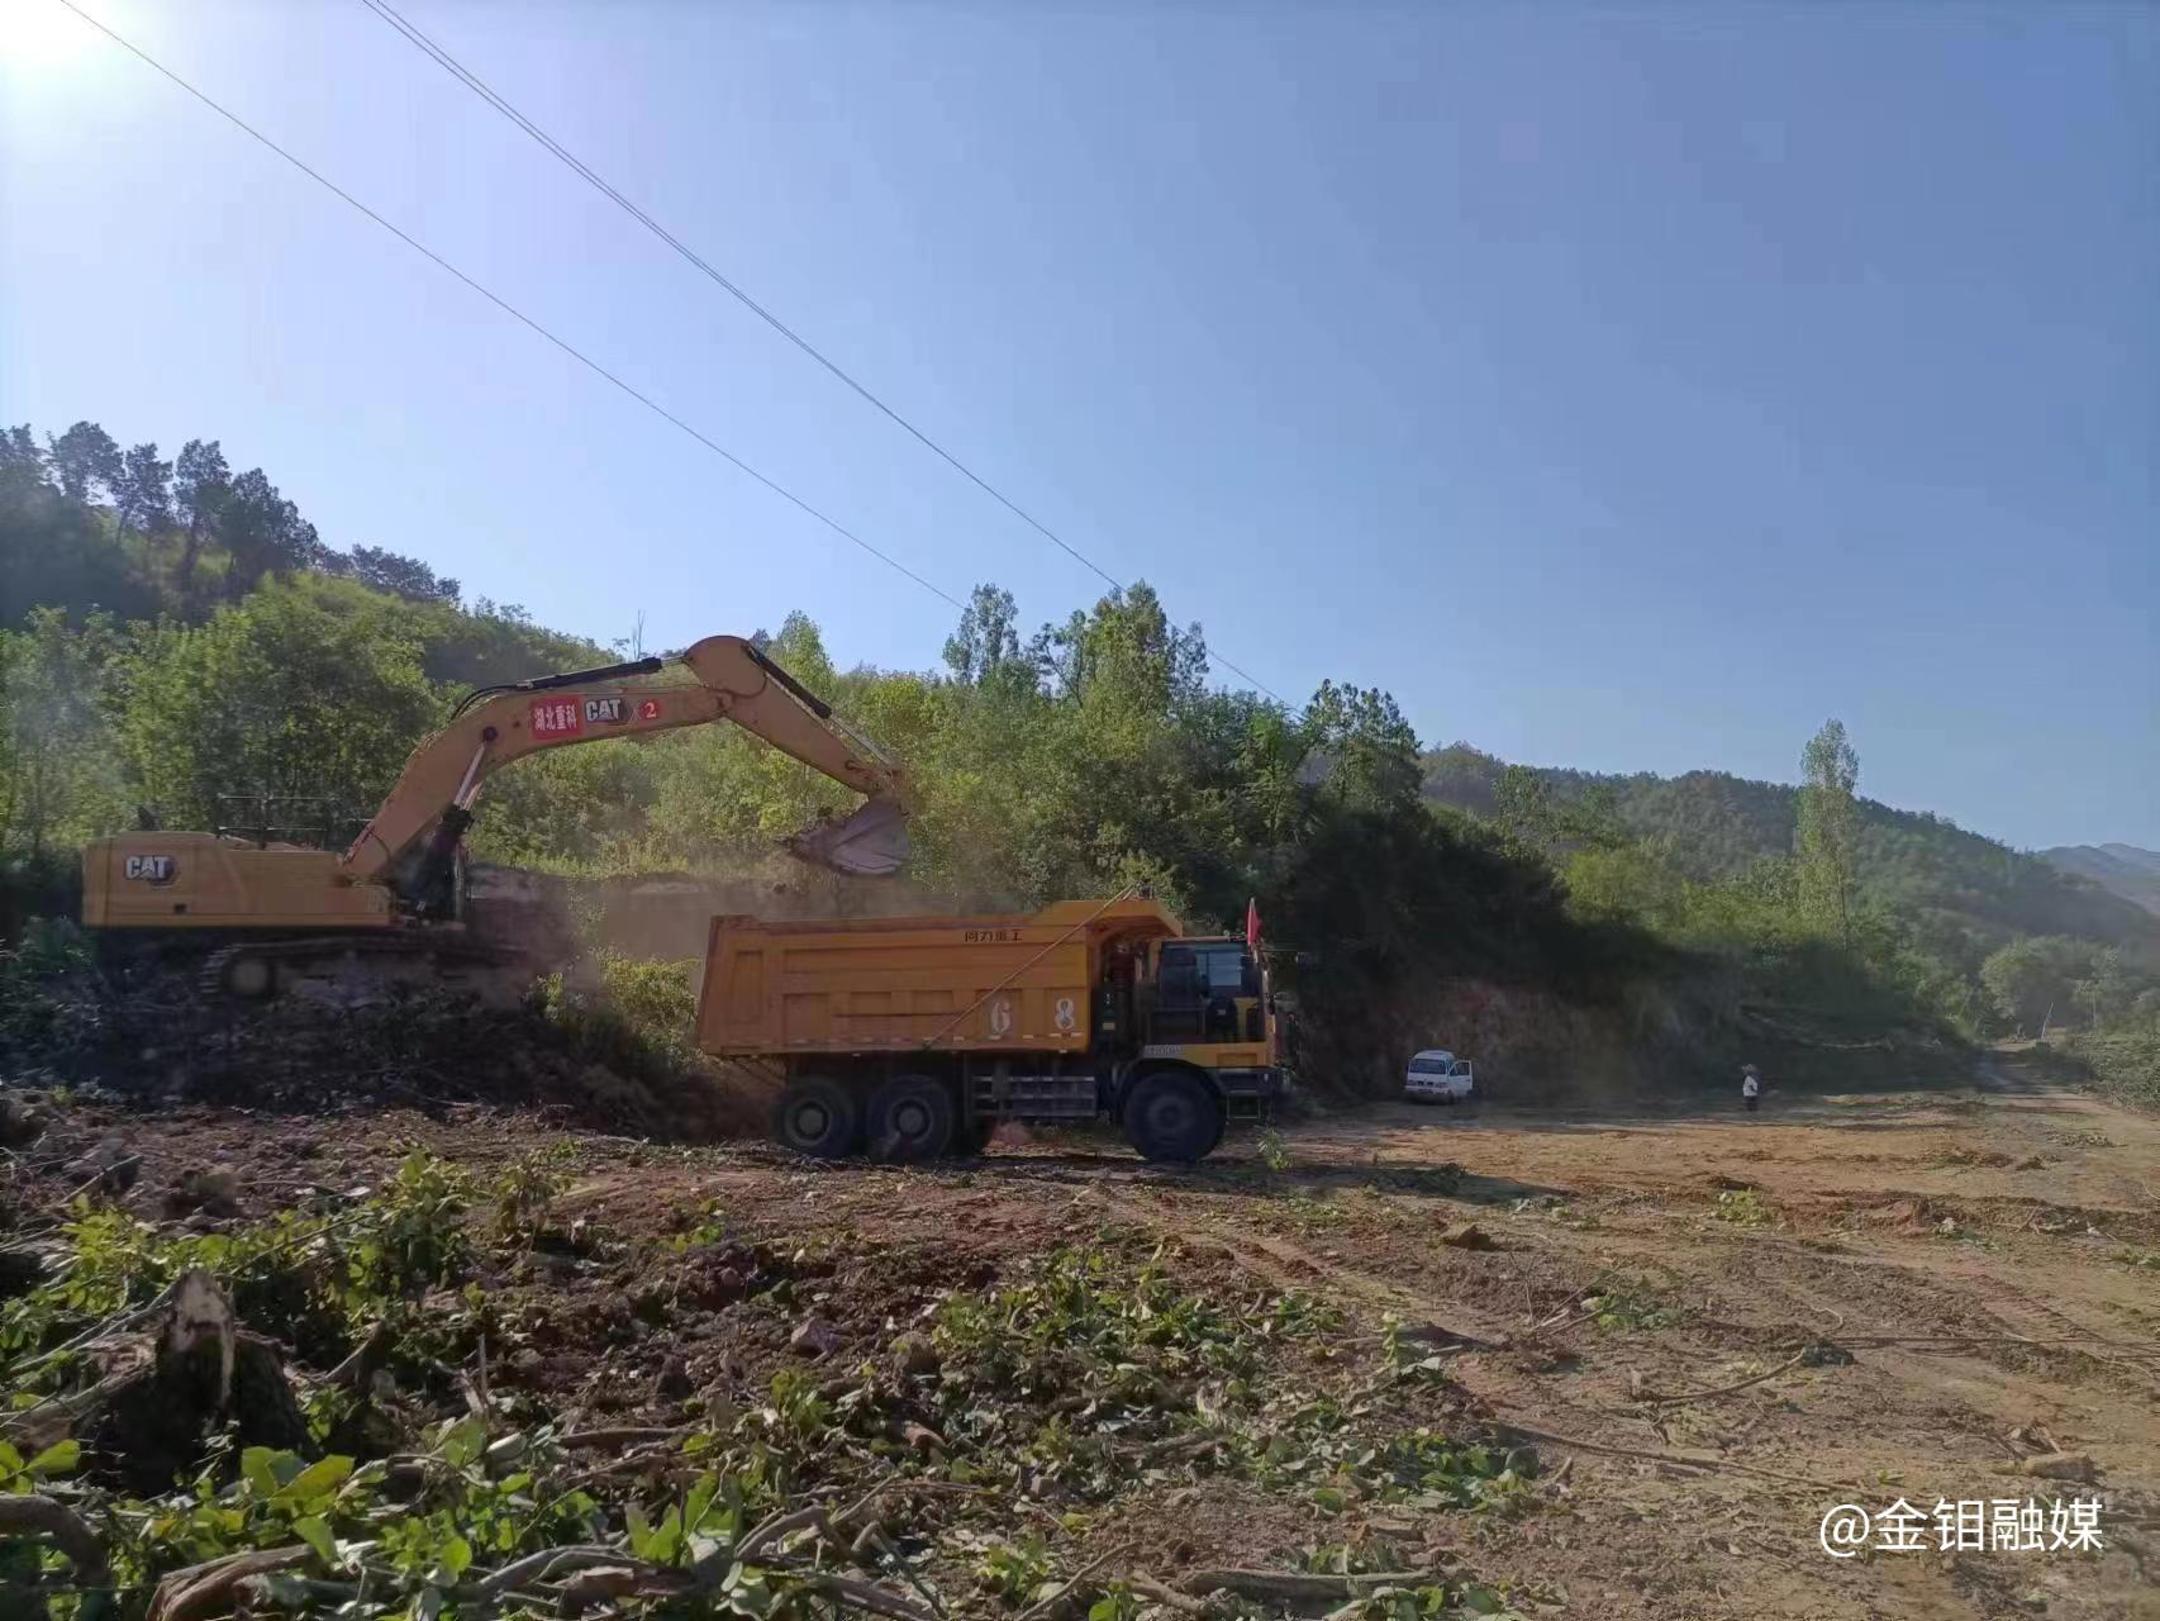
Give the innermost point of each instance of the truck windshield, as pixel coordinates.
(1230, 971)
(1431, 1066)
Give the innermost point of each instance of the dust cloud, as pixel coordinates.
(669, 915)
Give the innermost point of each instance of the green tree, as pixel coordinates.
(60, 553)
(59, 778)
(311, 688)
(201, 484)
(263, 531)
(142, 499)
(2108, 990)
(21, 467)
(402, 576)
(85, 460)
(1829, 772)
(1126, 646)
(2033, 981)
(1368, 752)
(986, 644)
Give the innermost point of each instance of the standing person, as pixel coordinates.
(1750, 1086)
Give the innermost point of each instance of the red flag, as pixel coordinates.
(1252, 925)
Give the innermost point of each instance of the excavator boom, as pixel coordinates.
(409, 842)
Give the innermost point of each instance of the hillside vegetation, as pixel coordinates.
(2121, 869)
(1712, 826)
(175, 633)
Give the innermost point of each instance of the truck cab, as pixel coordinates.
(1201, 1006)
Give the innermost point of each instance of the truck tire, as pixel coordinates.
(1173, 1116)
(818, 1117)
(910, 1118)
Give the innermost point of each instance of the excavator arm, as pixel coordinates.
(413, 837)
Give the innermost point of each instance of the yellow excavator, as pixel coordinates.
(269, 908)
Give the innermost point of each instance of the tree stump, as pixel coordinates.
(149, 1424)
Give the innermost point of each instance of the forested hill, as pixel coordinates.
(2123, 869)
(1713, 826)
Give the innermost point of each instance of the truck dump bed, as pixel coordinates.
(1007, 983)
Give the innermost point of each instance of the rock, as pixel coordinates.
(814, 1336)
(922, 1438)
(1467, 1235)
(914, 1354)
(2059, 1466)
(214, 1191)
(672, 1383)
(109, 1165)
(21, 1270)
(716, 1285)
(22, 1122)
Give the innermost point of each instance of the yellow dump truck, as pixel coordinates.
(912, 1036)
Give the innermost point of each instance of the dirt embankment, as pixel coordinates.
(1532, 1045)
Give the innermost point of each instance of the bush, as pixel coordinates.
(48, 1004)
(2125, 1064)
(46, 885)
(637, 1020)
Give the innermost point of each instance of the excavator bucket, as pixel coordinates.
(869, 844)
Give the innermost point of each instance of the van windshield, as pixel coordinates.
(1431, 1066)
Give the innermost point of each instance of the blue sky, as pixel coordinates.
(1621, 387)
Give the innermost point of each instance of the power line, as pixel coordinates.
(585, 172)
(513, 311)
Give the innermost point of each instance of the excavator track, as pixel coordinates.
(356, 966)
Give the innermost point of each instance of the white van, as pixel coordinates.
(1439, 1077)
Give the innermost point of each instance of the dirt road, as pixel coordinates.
(1989, 1261)
(1711, 1328)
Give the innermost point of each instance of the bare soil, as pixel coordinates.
(1712, 1327)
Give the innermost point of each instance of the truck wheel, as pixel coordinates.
(911, 1118)
(1173, 1116)
(817, 1117)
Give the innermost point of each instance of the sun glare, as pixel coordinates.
(41, 36)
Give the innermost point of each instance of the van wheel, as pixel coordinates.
(1173, 1116)
(817, 1117)
(911, 1118)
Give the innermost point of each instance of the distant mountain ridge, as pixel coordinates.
(2121, 869)
(1714, 825)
